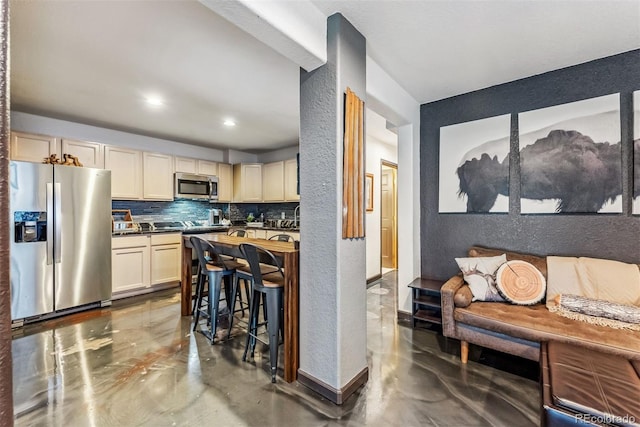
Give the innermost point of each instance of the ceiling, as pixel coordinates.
(436, 49)
(95, 62)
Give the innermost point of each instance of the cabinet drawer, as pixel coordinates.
(129, 242)
(166, 239)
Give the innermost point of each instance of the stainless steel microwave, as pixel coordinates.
(195, 187)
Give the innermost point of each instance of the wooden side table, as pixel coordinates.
(425, 302)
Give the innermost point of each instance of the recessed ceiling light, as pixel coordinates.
(155, 101)
(229, 122)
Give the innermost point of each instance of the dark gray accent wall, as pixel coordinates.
(446, 236)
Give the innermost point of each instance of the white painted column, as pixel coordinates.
(332, 270)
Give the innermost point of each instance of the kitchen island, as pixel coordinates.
(288, 253)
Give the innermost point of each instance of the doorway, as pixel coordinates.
(388, 216)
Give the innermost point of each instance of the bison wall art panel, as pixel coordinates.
(474, 166)
(636, 152)
(570, 157)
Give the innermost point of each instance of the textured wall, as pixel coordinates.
(6, 372)
(445, 236)
(332, 270)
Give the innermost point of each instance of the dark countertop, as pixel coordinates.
(186, 230)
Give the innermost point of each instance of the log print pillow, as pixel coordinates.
(480, 274)
(521, 283)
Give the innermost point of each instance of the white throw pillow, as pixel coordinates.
(480, 275)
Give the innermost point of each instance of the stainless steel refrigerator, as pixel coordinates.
(60, 238)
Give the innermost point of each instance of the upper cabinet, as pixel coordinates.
(157, 176)
(225, 182)
(206, 167)
(90, 154)
(273, 182)
(247, 182)
(35, 148)
(32, 148)
(126, 172)
(291, 180)
(186, 165)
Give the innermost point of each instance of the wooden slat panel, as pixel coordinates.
(361, 207)
(353, 168)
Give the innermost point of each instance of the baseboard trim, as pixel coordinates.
(325, 390)
(374, 278)
(143, 291)
(404, 318)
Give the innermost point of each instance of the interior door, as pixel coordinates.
(388, 243)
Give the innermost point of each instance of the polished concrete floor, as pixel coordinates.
(138, 364)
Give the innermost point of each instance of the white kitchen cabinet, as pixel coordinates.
(291, 181)
(126, 172)
(29, 147)
(273, 182)
(225, 182)
(142, 261)
(247, 182)
(130, 263)
(186, 165)
(157, 176)
(165, 258)
(205, 167)
(90, 154)
(259, 234)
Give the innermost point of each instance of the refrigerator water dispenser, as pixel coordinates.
(30, 226)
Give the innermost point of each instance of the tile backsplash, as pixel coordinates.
(193, 210)
(240, 211)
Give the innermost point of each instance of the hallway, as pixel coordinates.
(137, 363)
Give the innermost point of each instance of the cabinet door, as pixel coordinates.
(206, 167)
(186, 165)
(225, 182)
(259, 234)
(130, 268)
(247, 182)
(90, 154)
(158, 176)
(273, 182)
(165, 263)
(291, 180)
(126, 172)
(294, 234)
(32, 148)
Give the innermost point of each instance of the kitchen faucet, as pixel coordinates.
(296, 212)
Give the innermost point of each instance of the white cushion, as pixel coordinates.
(595, 278)
(480, 274)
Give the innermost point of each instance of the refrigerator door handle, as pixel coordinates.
(58, 223)
(50, 224)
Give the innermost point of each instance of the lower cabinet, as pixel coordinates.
(260, 233)
(271, 233)
(165, 258)
(130, 262)
(142, 261)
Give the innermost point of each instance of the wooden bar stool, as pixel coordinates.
(273, 290)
